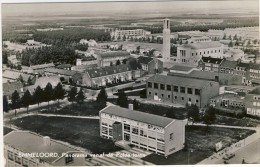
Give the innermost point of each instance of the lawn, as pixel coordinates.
(225, 120)
(7, 130)
(79, 132)
(202, 143)
(90, 108)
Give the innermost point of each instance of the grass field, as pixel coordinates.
(90, 108)
(202, 143)
(79, 132)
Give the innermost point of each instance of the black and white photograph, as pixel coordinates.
(130, 83)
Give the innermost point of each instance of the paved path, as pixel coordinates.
(69, 116)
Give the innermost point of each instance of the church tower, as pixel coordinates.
(166, 39)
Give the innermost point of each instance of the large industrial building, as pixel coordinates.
(147, 131)
(181, 90)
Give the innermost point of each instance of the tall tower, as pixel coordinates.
(166, 39)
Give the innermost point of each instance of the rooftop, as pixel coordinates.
(9, 88)
(203, 45)
(230, 96)
(180, 80)
(62, 66)
(114, 54)
(60, 71)
(144, 59)
(99, 72)
(138, 116)
(14, 75)
(40, 66)
(211, 60)
(29, 142)
(228, 64)
(255, 66)
(181, 68)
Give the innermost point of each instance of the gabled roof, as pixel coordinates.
(62, 66)
(144, 59)
(211, 60)
(114, 54)
(180, 80)
(138, 116)
(60, 71)
(228, 64)
(41, 66)
(99, 72)
(255, 66)
(14, 75)
(9, 88)
(29, 142)
(181, 68)
(203, 45)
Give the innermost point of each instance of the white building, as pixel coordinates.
(166, 53)
(192, 53)
(196, 39)
(110, 58)
(159, 134)
(90, 43)
(129, 33)
(24, 148)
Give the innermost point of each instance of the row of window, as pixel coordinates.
(253, 111)
(175, 97)
(174, 88)
(200, 53)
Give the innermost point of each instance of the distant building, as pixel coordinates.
(229, 101)
(50, 29)
(82, 68)
(181, 90)
(196, 39)
(192, 53)
(150, 65)
(253, 102)
(254, 73)
(39, 69)
(12, 76)
(159, 134)
(107, 75)
(9, 88)
(90, 43)
(12, 60)
(119, 34)
(89, 60)
(110, 58)
(228, 66)
(31, 42)
(64, 66)
(19, 145)
(210, 64)
(63, 75)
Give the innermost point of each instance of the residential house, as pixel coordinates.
(150, 65)
(63, 75)
(39, 69)
(228, 101)
(110, 58)
(253, 102)
(228, 66)
(64, 66)
(12, 76)
(210, 63)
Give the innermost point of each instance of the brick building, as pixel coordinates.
(150, 65)
(210, 64)
(181, 90)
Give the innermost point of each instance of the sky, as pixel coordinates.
(74, 8)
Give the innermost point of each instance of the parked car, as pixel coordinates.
(228, 156)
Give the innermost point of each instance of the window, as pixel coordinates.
(192, 54)
(171, 136)
(25, 162)
(197, 92)
(68, 158)
(155, 85)
(175, 88)
(169, 96)
(10, 155)
(149, 84)
(169, 87)
(182, 89)
(196, 53)
(162, 86)
(189, 99)
(155, 94)
(189, 90)
(204, 52)
(208, 52)
(197, 100)
(162, 95)
(135, 130)
(126, 127)
(215, 51)
(182, 98)
(200, 53)
(149, 93)
(175, 97)
(254, 103)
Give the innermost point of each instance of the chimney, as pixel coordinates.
(130, 106)
(46, 141)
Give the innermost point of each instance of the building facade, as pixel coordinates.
(181, 90)
(110, 58)
(150, 65)
(210, 64)
(147, 131)
(253, 102)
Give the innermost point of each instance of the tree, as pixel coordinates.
(193, 112)
(180, 42)
(27, 99)
(4, 57)
(138, 49)
(122, 99)
(29, 81)
(124, 61)
(38, 95)
(124, 37)
(48, 93)
(135, 104)
(225, 36)
(235, 37)
(80, 97)
(72, 94)
(170, 113)
(5, 104)
(143, 93)
(229, 37)
(59, 93)
(111, 63)
(209, 116)
(118, 62)
(15, 100)
(19, 67)
(255, 41)
(230, 44)
(20, 78)
(102, 95)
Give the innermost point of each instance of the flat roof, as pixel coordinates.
(29, 142)
(138, 116)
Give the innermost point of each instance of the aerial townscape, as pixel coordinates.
(147, 83)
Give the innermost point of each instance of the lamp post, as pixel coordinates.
(189, 151)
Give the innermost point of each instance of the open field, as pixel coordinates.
(79, 132)
(202, 142)
(90, 108)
